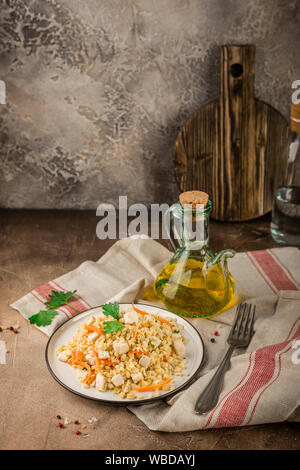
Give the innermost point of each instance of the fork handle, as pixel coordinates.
(210, 395)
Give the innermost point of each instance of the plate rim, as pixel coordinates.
(143, 401)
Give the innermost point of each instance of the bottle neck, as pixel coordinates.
(189, 228)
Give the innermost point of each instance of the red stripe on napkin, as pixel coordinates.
(261, 273)
(271, 383)
(235, 408)
(285, 268)
(229, 393)
(273, 270)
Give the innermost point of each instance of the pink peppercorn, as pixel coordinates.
(61, 425)
(78, 433)
(216, 333)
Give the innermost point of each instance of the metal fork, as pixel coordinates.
(239, 337)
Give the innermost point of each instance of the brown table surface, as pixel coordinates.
(37, 246)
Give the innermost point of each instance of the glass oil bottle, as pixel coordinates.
(195, 282)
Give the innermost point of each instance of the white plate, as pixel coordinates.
(66, 376)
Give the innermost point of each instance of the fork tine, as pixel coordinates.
(237, 316)
(250, 331)
(242, 319)
(247, 319)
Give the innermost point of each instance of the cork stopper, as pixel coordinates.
(295, 117)
(194, 198)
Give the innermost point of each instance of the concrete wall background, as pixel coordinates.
(98, 89)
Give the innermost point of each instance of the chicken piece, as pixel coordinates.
(144, 361)
(64, 356)
(92, 337)
(131, 317)
(155, 341)
(100, 382)
(176, 336)
(81, 375)
(91, 320)
(90, 359)
(103, 354)
(179, 347)
(137, 377)
(117, 380)
(120, 347)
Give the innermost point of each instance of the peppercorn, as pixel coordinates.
(11, 328)
(1, 329)
(58, 417)
(213, 340)
(76, 422)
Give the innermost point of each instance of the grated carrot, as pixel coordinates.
(87, 367)
(108, 362)
(79, 355)
(94, 328)
(162, 320)
(134, 351)
(149, 388)
(98, 364)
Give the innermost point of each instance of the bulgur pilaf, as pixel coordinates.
(129, 352)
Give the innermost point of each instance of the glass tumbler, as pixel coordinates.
(285, 225)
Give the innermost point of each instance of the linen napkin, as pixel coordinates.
(263, 383)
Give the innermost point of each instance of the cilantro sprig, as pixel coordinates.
(112, 326)
(55, 299)
(111, 310)
(43, 318)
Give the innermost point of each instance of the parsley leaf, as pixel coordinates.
(152, 345)
(176, 331)
(43, 318)
(112, 326)
(57, 299)
(111, 309)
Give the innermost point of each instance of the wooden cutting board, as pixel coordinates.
(235, 149)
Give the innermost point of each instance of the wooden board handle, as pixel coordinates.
(236, 131)
(237, 73)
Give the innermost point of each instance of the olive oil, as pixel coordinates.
(196, 281)
(189, 288)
